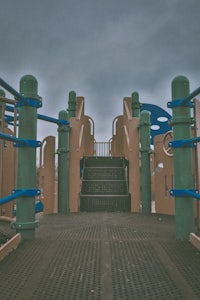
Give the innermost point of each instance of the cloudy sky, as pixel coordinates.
(102, 49)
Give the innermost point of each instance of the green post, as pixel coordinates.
(135, 105)
(72, 104)
(145, 150)
(183, 163)
(26, 173)
(2, 93)
(63, 164)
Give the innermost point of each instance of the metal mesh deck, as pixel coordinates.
(102, 256)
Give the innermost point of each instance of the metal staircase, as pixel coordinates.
(105, 184)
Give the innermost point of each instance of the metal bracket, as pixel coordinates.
(181, 120)
(62, 150)
(25, 225)
(185, 193)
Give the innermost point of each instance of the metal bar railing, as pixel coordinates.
(102, 148)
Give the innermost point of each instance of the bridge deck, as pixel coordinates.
(102, 256)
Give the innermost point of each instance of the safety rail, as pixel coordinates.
(39, 116)
(102, 148)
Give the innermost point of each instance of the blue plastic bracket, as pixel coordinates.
(20, 193)
(185, 193)
(184, 101)
(27, 192)
(180, 102)
(184, 143)
(29, 102)
(27, 143)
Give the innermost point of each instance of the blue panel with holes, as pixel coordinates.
(159, 119)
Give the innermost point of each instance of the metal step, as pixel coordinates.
(105, 203)
(104, 187)
(106, 173)
(104, 184)
(103, 161)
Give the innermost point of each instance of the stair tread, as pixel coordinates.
(105, 185)
(103, 167)
(104, 195)
(99, 180)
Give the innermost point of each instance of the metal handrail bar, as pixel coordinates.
(102, 148)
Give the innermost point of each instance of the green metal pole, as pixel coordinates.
(26, 173)
(2, 93)
(183, 163)
(63, 164)
(72, 104)
(145, 150)
(135, 105)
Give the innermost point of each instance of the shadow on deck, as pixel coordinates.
(102, 256)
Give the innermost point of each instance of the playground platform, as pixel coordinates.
(102, 256)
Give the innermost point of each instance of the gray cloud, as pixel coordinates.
(103, 49)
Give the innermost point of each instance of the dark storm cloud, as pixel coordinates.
(103, 49)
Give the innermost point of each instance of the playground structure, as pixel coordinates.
(162, 154)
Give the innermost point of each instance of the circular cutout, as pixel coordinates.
(168, 137)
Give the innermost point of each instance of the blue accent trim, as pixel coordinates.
(10, 108)
(185, 193)
(157, 125)
(184, 143)
(39, 206)
(8, 118)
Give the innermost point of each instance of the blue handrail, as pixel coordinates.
(19, 141)
(43, 117)
(11, 90)
(12, 196)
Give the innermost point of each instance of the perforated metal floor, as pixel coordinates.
(102, 256)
